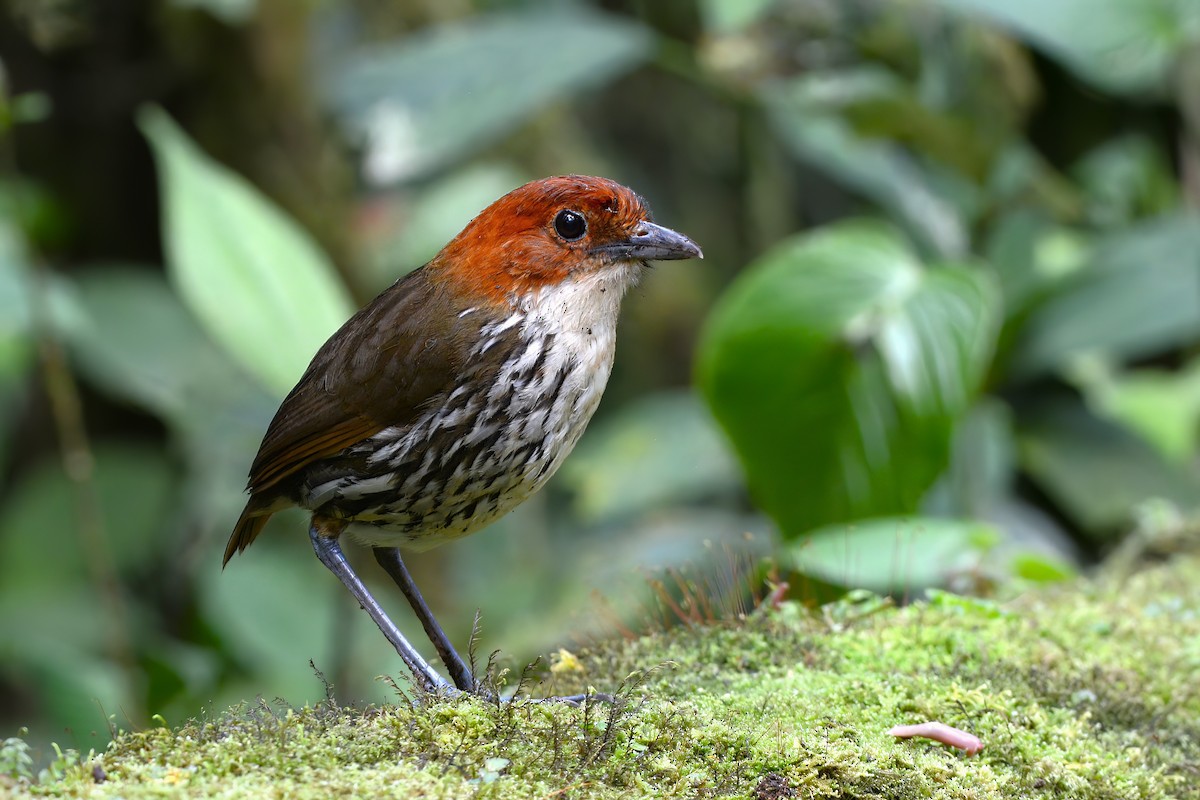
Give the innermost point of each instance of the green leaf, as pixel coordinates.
(1119, 45)
(1096, 471)
(889, 554)
(811, 116)
(838, 364)
(1163, 407)
(1136, 294)
(1040, 568)
(178, 374)
(660, 450)
(254, 279)
(435, 97)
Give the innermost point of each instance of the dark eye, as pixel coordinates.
(570, 225)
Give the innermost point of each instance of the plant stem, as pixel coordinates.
(79, 465)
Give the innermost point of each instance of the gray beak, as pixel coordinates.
(652, 242)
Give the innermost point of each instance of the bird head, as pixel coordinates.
(554, 230)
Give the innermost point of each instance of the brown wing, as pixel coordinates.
(378, 370)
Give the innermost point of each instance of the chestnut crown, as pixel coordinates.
(546, 231)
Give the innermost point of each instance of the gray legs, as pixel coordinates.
(330, 553)
(393, 565)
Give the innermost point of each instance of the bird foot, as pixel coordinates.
(575, 699)
(450, 692)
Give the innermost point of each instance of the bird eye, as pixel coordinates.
(570, 225)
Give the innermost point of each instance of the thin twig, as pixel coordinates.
(79, 464)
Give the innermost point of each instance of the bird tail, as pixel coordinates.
(249, 525)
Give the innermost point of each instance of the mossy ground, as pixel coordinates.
(1090, 691)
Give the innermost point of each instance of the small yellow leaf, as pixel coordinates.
(564, 661)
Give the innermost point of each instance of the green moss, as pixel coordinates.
(1087, 692)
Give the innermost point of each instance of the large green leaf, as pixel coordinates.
(1119, 45)
(1136, 294)
(427, 101)
(891, 554)
(253, 278)
(838, 365)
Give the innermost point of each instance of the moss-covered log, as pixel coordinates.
(1088, 692)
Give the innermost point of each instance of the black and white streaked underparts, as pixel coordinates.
(472, 457)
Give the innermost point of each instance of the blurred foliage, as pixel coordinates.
(947, 332)
(839, 363)
(257, 283)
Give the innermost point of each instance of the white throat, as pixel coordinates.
(582, 311)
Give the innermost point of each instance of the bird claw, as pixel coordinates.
(487, 696)
(577, 700)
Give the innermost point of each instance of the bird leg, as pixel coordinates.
(330, 553)
(389, 558)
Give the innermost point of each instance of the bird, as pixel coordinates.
(458, 391)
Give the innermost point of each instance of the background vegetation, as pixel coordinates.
(947, 331)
